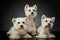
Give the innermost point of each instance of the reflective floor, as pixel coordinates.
(36, 39)
(3, 36)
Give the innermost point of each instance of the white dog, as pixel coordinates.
(30, 10)
(31, 13)
(18, 29)
(46, 25)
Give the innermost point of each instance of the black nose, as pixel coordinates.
(48, 23)
(21, 26)
(32, 13)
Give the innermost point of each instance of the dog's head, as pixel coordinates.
(19, 23)
(47, 22)
(30, 10)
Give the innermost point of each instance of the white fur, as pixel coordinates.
(31, 25)
(30, 18)
(17, 30)
(32, 9)
(44, 29)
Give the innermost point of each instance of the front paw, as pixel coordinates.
(37, 36)
(41, 36)
(44, 36)
(17, 37)
(27, 36)
(14, 37)
(52, 36)
(8, 34)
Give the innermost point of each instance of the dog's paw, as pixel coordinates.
(37, 36)
(8, 34)
(27, 36)
(52, 36)
(41, 36)
(14, 37)
(17, 37)
(44, 36)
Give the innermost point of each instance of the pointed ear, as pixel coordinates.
(26, 6)
(43, 17)
(53, 18)
(35, 6)
(13, 20)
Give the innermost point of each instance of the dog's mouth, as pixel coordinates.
(21, 28)
(47, 26)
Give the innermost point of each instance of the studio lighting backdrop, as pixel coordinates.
(13, 9)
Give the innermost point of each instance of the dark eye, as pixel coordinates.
(29, 10)
(50, 21)
(46, 21)
(33, 10)
(18, 22)
(23, 22)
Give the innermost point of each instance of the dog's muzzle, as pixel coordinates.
(47, 26)
(21, 26)
(32, 13)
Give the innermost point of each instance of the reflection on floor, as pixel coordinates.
(3, 36)
(37, 39)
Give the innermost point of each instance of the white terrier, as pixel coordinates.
(31, 28)
(30, 10)
(31, 13)
(44, 29)
(18, 29)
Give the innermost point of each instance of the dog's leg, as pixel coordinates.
(27, 36)
(14, 36)
(17, 37)
(10, 31)
(42, 36)
(51, 35)
(38, 36)
(34, 31)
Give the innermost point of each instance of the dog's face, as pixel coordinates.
(19, 23)
(30, 10)
(47, 22)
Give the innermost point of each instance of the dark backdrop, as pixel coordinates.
(11, 9)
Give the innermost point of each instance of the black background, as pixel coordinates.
(15, 8)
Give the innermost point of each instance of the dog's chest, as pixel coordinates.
(44, 30)
(21, 32)
(29, 22)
